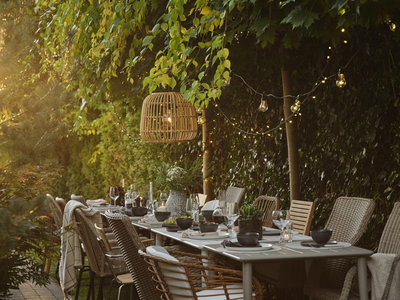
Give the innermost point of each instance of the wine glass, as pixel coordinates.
(281, 218)
(163, 198)
(219, 216)
(232, 215)
(114, 194)
(192, 206)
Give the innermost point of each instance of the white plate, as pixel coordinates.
(210, 237)
(297, 245)
(252, 249)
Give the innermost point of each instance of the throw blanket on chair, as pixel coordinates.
(385, 276)
(71, 256)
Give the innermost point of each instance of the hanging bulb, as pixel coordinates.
(295, 107)
(226, 82)
(201, 120)
(392, 27)
(263, 106)
(199, 110)
(341, 81)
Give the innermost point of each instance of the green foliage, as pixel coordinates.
(250, 212)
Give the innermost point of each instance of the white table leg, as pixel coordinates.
(362, 278)
(247, 268)
(159, 239)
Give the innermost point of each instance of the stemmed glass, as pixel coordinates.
(163, 198)
(219, 215)
(192, 206)
(114, 194)
(281, 218)
(232, 215)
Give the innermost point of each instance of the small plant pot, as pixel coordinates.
(184, 223)
(251, 226)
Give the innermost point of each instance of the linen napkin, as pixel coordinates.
(97, 202)
(193, 233)
(227, 243)
(148, 219)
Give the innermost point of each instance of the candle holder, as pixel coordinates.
(286, 236)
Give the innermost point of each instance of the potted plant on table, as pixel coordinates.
(250, 219)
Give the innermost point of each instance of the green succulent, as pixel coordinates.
(250, 212)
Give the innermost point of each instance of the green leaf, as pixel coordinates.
(167, 17)
(119, 7)
(300, 18)
(147, 40)
(164, 26)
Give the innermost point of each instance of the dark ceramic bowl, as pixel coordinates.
(208, 215)
(184, 223)
(161, 216)
(139, 211)
(248, 239)
(208, 227)
(321, 236)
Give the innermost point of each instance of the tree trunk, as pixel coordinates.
(208, 188)
(291, 137)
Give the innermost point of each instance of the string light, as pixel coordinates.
(340, 81)
(392, 27)
(263, 105)
(296, 106)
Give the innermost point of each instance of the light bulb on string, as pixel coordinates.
(340, 81)
(201, 120)
(296, 105)
(263, 105)
(392, 27)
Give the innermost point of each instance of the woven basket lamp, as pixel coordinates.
(167, 118)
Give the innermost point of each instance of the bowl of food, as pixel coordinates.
(139, 210)
(321, 236)
(208, 227)
(248, 239)
(184, 223)
(161, 216)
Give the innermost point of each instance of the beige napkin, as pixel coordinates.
(148, 219)
(193, 233)
(97, 202)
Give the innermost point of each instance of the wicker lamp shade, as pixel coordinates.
(167, 118)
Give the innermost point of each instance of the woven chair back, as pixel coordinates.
(235, 194)
(301, 214)
(95, 254)
(61, 203)
(267, 204)
(348, 220)
(129, 243)
(56, 212)
(390, 239)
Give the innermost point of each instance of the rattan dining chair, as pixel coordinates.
(348, 220)
(182, 276)
(235, 194)
(129, 243)
(97, 260)
(301, 214)
(267, 204)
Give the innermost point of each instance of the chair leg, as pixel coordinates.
(100, 292)
(109, 292)
(131, 291)
(91, 285)
(78, 286)
(119, 290)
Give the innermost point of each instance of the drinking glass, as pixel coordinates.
(232, 215)
(192, 206)
(114, 194)
(281, 218)
(163, 198)
(222, 198)
(219, 216)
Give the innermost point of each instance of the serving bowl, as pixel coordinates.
(184, 223)
(161, 216)
(321, 236)
(139, 210)
(208, 227)
(248, 239)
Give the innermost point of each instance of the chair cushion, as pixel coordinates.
(234, 291)
(160, 252)
(211, 205)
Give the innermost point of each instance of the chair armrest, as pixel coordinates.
(114, 255)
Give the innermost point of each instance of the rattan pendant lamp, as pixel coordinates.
(167, 118)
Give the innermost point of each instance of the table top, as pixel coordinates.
(286, 253)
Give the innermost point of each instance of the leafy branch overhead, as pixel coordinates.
(185, 43)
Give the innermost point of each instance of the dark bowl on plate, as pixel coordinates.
(248, 239)
(321, 236)
(139, 210)
(184, 223)
(208, 215)
(208, 227)
(161, 216)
